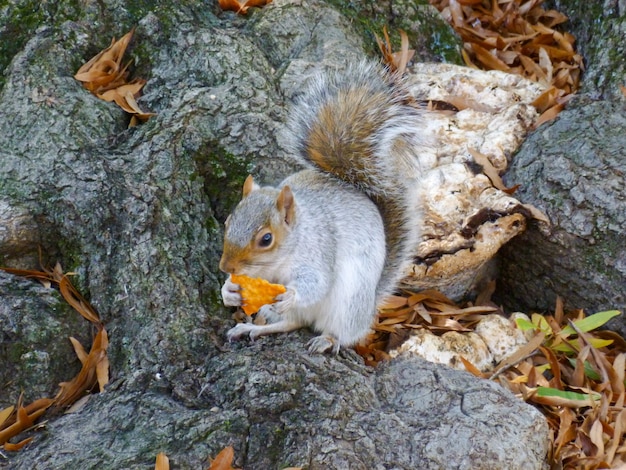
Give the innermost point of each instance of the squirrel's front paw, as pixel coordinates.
(269, 314)
(285, 302)
(273, 313)
(231, 294)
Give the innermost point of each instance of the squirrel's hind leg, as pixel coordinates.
(323, 343)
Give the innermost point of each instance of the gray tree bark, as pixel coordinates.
(136, 214)
(573, 169)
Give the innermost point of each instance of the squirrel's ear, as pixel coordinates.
(249, 185)
(286, 205)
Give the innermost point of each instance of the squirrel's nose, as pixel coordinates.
(227, 265)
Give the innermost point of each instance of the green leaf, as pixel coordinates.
(589, 323)
(542, 324)
(589, 370)
(541, 369)
(555, 392)
(596, 343)
(524, 324)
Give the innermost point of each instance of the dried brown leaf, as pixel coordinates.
(618, 435)
(5, 414)
(533, 70)
(384, 45)
(448, 324)
(394, 302)
(42, 276)
(555, 382)
(520, 354)
(515, 36)
(162, 462)
(471, 368)
(396, 61)
(403, 312)
(547, 99)
(78, 405)
(431, 296)
(566, 430)
(488, 59)
(402, 57)
(22, 422)
(90, 63)
(464, 102)
(468, 60)
(79, 350)
(224, 459)
(385, 328)
(102, 373)
(87, 378)
(488, 169)
(16, 447)
(595, 434)
(103, 70)
(549, 115)
(456, 13)
(423, 313)
(466, 311)
(619, 366)
(38, 406)
(577, 379)
(104, 76)
(76, 300)
(241, 7)
(136, 111)
(133, 87)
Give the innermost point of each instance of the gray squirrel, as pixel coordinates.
(339, 236)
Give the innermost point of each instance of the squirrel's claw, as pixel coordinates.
(238, 331)
(322, 344)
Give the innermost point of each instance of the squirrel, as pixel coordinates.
(340, 234)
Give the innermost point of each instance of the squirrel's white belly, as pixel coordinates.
(348, 310)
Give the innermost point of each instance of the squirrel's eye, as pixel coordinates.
(266, 240)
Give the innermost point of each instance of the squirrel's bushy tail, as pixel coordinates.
(360, 125)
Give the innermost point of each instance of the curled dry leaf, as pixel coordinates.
(94, 372)
(396, 61)
(105, 77)
(488, 169)
(104, 71)
(17, 419)
(428, 309)
(579, 387)
(95, 364)
(15, 447)
(49, 277)
(517, 36)
(241, 7)
(574, 374)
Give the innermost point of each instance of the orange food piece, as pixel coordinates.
(256, 292)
